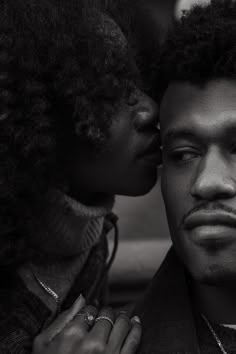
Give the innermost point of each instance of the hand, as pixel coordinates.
(71, 334)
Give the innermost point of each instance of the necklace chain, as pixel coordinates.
(49, 291)
(219, 343)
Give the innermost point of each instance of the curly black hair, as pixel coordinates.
(62, 75)
(201, 46)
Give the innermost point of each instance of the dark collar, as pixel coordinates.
(166, 313)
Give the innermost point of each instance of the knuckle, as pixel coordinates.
(124, 317)
(124, 321)
(99, 348)
(71, 332)
(90, 308)
(134, 341)
(108, 312)
(133, 345)
(93, 347)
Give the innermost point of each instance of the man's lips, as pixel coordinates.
(209, 218)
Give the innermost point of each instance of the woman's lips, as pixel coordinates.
(152, 152)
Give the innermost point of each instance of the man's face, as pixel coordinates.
(198, 130)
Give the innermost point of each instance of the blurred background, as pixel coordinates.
(144, 241)
(144, 235)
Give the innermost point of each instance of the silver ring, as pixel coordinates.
(105, 318)
(89, 317)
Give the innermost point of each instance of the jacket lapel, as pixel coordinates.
(167, 318)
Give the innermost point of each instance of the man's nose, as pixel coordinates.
(214, 179)
(146, 114)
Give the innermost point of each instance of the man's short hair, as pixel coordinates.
(201, 46)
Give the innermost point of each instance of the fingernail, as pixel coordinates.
(77, 306)
(136, 319)
(80, 301)
(122, 312)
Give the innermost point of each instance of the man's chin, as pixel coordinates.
(216, 275)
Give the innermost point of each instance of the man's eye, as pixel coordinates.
(183, 155)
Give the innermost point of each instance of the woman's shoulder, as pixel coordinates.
(22, 315)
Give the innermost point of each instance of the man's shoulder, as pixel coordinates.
(165, 312)
(161, 282)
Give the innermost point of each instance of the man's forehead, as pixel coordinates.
(177, 103)
(204, 112)
(214, 98)
(174, 97)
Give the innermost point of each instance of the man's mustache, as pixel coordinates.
(207, 206)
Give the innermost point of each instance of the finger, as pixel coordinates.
(125, 310)
(103, 326)
(85, 318)
(75, 332)
(62, 320)
(133, 339)
(77, 329)
(119, 333)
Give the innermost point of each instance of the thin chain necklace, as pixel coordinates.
(49, 291)
(219, 343)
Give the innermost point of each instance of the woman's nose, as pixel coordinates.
(146, 114)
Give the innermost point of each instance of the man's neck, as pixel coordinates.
(217, 303)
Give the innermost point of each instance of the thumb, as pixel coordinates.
(62, 320)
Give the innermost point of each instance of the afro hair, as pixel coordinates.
(200, 47)
(62, 75)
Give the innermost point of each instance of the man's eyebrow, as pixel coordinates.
(177, 133)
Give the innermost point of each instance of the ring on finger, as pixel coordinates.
(88, 317)
(104, 318)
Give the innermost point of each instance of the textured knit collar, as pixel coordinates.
(64, 227)
(102, 209)
(65, 233)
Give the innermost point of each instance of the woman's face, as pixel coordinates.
(127, 163)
